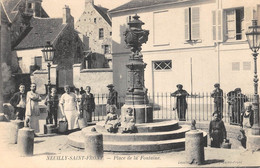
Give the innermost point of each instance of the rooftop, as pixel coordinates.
(133, 4)
(42, 30)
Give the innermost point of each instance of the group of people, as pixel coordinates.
(239, 109)
(236, 102)
(26, 106)
(73, 106)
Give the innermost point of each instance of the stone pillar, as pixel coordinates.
(94, 144)
(15, 125)
(25, 141)
(194, 147)
(76, 75)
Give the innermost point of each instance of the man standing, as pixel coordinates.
(112, 95)
(181, 103)
(217, 95)
(18, 101)
(240, 99)
(32, 108)
(52, 103)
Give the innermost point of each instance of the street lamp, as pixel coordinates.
(253, 37)
(48, 54)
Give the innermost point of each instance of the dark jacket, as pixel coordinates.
(112, 98)
(14, 101)
(88, 101)
(53, 102)
(217, 95)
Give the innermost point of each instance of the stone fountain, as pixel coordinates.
(151, 135)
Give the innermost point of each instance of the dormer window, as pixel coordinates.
(29, 5)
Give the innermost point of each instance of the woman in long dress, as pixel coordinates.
(32, 112)
(68, 106)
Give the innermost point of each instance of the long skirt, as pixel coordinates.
(71, 118)
(34, 123)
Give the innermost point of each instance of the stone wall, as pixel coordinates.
(97, 79)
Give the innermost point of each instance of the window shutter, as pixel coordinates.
(248, 15)
(220, 25)
(186, 24)
(195, 23)
(230, 32)
(214, 26)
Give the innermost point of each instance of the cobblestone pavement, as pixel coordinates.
(53, 151)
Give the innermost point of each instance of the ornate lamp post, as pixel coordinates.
(48, 54)
(136, 94)
(253, 37)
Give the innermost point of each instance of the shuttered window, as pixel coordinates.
(192, 23)
(246, 66)
(161, 26)
(217, 30)
(234, 29)
(235, 66)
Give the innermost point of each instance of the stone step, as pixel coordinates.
(156, 126)
(150, 136)
(147, 146)
(76, 140)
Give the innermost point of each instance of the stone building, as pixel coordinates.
(26, 36)
(15, 21)
(195, 43)
(95, 23)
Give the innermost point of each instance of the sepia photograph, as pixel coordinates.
(129, 83)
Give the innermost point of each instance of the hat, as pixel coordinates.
(216, 85)
(179, 85)
(110, 86)
(237, 90)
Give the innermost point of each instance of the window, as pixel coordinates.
(95, 20)
(29, 5)
(234, 21)
(106, 49)
(101, 33)
(161, 20)
(192, 23)
(246, 66)
(162, 65)
(235, 66)
(38, 62)
(128, 19)
(110, 33)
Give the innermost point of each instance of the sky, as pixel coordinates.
(54, 7)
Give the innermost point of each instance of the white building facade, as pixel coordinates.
(193, 43)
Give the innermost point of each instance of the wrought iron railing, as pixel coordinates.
(200, 106)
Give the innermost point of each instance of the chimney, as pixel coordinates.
(66, 15)
(89, 2)
(36, 7)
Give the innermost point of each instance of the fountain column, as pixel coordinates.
(136, 94)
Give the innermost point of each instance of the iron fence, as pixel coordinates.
(200, 106)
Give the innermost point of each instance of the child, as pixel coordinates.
(128, 123)
(112, 122)
(242, 138)
(52, 104)
(247, 116)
